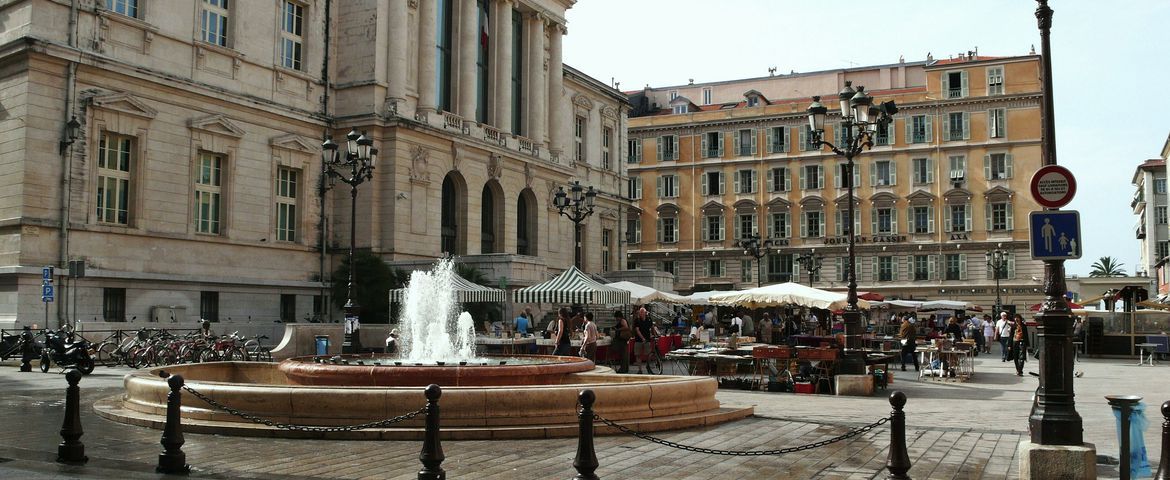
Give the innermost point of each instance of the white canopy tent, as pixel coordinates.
(786, 294)
(935, 305)
(703, 298)
(643, 294)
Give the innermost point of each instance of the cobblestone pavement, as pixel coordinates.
(955, 430)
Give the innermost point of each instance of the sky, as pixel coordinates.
(1101, 52)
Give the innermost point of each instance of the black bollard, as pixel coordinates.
(172, 460)
(898, 461)
(1163, 472)
(1124, 403)
(432, 451)
(26, 350)
(586, 460)
(71, 450)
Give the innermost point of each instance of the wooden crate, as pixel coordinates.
(771, 352)
(816, 353)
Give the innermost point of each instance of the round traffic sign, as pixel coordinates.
(1053, 186)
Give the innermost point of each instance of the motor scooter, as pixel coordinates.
(65, 352)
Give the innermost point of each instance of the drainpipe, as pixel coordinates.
(322, 225)
(66, 161)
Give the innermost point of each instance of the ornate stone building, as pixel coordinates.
(715, 162)
(191, 185)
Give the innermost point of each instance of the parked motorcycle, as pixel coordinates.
(63, 351)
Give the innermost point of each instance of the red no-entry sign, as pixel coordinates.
(1053, 186)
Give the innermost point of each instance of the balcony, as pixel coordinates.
(1140, 231)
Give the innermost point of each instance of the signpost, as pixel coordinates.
(47, 289)
(1053, 186)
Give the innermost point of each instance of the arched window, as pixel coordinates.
(453, 233)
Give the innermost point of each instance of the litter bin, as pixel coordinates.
(322, 344)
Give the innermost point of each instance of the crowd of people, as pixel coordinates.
(1010, 331)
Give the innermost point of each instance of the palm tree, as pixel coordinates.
(1107, 267)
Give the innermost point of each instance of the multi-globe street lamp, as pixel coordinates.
(577, 205)
(756, 248)
(998, 261)
(359, 158)
(811, 262)
(860, 122)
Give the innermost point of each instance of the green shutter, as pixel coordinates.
(721, 139)
(704, 189)
(893, 172)
(966, 121)
(930, 218)
(909, 129)
(893, 220)
(722, 185)
(987, 212)
(964, 87)
(962, 266)
(705, 230)
(659, 191)
(929, 129)
(1009, 206)
(946, 85)
(771, 135)
(946, 128)
(770, 181)
(735, 183)
(704, 145)
(1007, 160)
(660, 145)
(987, 167)
(755, 134)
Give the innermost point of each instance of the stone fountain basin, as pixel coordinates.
(516, 370)
(643, 402)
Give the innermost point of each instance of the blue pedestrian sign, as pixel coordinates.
(46, 293)
(1056, 235)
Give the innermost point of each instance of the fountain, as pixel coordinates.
(484, 397)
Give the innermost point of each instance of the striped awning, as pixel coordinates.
(572, 286)
(465, 292)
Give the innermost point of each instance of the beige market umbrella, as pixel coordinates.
(786, 294)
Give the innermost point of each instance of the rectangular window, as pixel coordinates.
(778, 140)
(958, 218)
(679, 109)
(885, 136)
(923, 171)
(841, 221)
(115, 158)
(713, 228)
(634, 188)
(713, 145)
(778, 180)
(745, 181)
(706, 95)
(995, 80)
(1160, 186)
(746, 142)
(667, 148)
(885, 267)
(954, 84)
(1160, 215)
(811, 180)
(958, 167)
(1163, 249)
(957, 126)
(814, 223)
(1000, 216)
(998, 166)
(579, 137)
(114, 304)
(839, 180)
(919, 129)
(287, 220)
(885, 220)
(842, 269)
(714, 268)
(921, 217)
(781, 268)
(634, 150)
(670, 266)
(288, 308)
(808, 141)
(668, 229)
(997, 123)
(518, 74)
(209, 306)
(214, 24)
(606, 237)
(746, 226)
(883, 172)
(444, 53)
(128, 8)
(292, 18)
(745, 270)
(668, 186)
(634, 229)
(673, 95)
(921, 267)
(208, 183)
(606, 132)
(712, 183)
(956, 269)
(780, 226)
(482, 59)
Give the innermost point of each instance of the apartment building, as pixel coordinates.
(174, 150)
(713, 163)
(1149, 205)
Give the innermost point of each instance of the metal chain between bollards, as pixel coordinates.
(741, 453)
(304, 428)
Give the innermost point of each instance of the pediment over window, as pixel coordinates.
(124, 103)
(920, 196)
(884, 199)
(217, 124)
(745, 204)
(294, 142)
(998, 193)
(844, 198)
(779, 203)
(812, 201)
(758, 97)
(582, 101)
(609, 215)
(957, 195)
(683, 101)
(712, 207)
(668, 208)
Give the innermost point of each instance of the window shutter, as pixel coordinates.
(873, 220)
(857, 175)
(946, 127)
(787, 179)
(946, 85)
(735, 142)
(705, 230)
(929, 129)
(735, 183)
(1003, 122)
(893, 268)
(804, 178)
(1007, 160)
(962, 266)
(660, 192)
(770, 181)
(821, 224)
(963, 87)
(987, 212)
(967, 218)
(707, 268)
(890, 132)
(661, 140)
(893, 220)
(910, 219)
(873, 267)
(910, 130)
(676, 222)
(1010, 221)
(674, 186)
(987, 167)
(947, 223)
(721, 139)
(1011, 266)
(722, 185)
(787, 226)
(837, 225)
(658, 230)
(803, 137)
(803, 224)
(929, 170)
(990, 120)
(704, 188)
(704, 146)
(966, 120)
(930, 218)
(872, 175)
(769, 140)
(893, 172)
(755, 134)
(820, 176)
(638, 184)
(784, 130)
(752, 184)
(931, 267)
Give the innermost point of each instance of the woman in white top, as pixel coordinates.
(988, 334)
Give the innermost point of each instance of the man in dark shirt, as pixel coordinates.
(643, 336)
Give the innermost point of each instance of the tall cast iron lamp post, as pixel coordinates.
(811, 262)
(577, 205)
(861, 120)
(358, 159)
(998, 261)
(756, 248)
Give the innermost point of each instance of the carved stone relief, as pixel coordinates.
(419, 173)
(494, 168)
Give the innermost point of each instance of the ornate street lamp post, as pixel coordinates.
(358, 158)
(756, 248)
(860, 120)
(998, 260)
(811, 262)
(577, 205)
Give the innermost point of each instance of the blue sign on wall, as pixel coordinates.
(1056, 235)
(47, 293)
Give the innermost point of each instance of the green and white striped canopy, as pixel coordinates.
(465, 292)
(572, 286)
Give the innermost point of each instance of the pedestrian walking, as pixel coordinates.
(988, 333)
(589, 338)
(561, 334)
(1019, 351)
(621, 339)
(1003, 333)
(908, 335)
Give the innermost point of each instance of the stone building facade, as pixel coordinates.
(715, 162)
(1150, 206)
(191, 187)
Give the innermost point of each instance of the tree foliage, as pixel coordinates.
(373, 280)
(1107, 267)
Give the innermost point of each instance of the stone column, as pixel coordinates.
(502, 116)
(396, 61)
(556, 79)
(537, 85)
(427, 29)
(468, 53)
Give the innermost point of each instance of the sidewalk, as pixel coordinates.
(944, 441)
